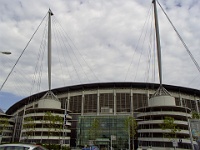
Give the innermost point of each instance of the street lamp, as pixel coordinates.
(6, 53)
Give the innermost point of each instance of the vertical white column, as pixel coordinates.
(68, 101)
(115, 107)
(148, 96)
(98, 105)
(82, 103)
(180, 97)
(15, 126)
(197, 105)
(22, 123)
(131, 98)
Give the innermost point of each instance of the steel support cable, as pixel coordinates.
(58, 41)
(136, 47)
(149, 57)
(184, 44)
(39, 63)
(70, 76)
(22, 53)
(42, 50)
(145, 35)
(140, 57)
(18, 85)
(146, 78)
(149, 54)
(21, 78)
(71, 58)
(80, 53)
(83, 60)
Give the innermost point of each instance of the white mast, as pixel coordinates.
(158, 42)
(49, 49)
(161, 90)
(49, 95)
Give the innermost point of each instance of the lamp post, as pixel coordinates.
(6, 53)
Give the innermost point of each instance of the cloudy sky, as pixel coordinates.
(95, 41)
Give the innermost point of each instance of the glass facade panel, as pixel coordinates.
(107, 126)
(190, 104)
(106, 102)
(139, 100)
(75, 104)
(90, 103)
(193, 104)
(123, 102)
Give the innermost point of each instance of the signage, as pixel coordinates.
(175, 143)
(113, 137)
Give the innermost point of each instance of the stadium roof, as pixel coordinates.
(81, 87)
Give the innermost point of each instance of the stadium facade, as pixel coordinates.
(111, 104)
(96, 113)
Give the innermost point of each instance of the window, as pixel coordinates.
(106, 102)
(90, 103)
(75, 103)
(123, 102)
(139, 100)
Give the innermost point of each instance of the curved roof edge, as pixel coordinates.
(1, 111)
(141, 85)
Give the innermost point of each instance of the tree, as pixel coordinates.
(3, 125)
(29, 126)
(195, 115)
(94, 130)
(168, 124)
(49, 122)
(130, 127)
(59, 121)
(53, 123)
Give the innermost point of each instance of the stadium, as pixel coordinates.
(110, 115)
(111, 103)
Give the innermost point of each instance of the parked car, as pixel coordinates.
(89, 148)
(21, 147)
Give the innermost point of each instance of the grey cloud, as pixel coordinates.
(106, 35)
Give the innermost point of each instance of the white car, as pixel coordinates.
(21, 147)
